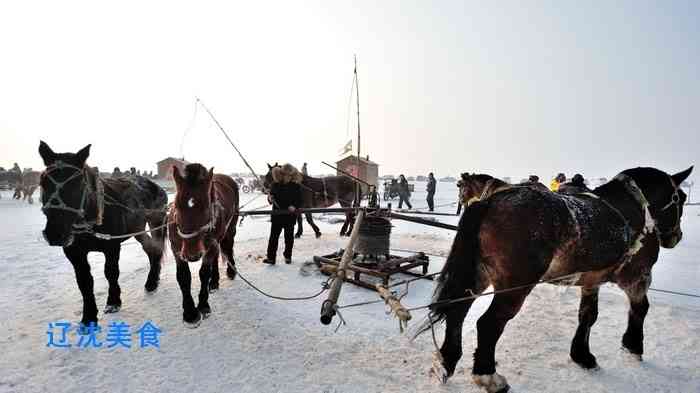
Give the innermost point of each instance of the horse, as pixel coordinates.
(474, 187)
(27, 184)
(513, 237)
(202, 224)
(86, 213)
(319, 192)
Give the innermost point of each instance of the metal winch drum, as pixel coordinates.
(374, 237)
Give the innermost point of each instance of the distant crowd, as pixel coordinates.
(132, 172)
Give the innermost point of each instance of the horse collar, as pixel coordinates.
(637, 193)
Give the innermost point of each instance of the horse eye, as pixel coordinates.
(675, 198)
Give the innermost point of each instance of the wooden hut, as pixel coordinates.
(165, 167)
(362, 169)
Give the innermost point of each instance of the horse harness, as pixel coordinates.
(214, 214)
(56, 202)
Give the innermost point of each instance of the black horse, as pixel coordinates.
(512, 237)
(317, 192)
(86, 213)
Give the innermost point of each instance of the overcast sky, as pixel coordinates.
(507, 88)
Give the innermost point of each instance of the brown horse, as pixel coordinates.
(516, 236)
(473, 188)
(201, 225)
(319, 192)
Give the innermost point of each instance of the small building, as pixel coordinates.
(165, 167)
(363, 169)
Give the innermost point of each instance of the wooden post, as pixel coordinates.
(328, 307)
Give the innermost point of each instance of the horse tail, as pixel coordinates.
(460, 272)
(158, 216)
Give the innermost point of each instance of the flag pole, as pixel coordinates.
(357, 92)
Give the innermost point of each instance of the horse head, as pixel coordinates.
(665, 200)
(472, 186)
(194, 213)
(268, 179)
(65, 192)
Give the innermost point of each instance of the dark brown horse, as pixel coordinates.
(86, 213)
(202, 224)
(516, 236)
(320, 192)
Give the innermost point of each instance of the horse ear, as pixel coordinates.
(46, 153)
(83, 154)
(269, 166)
(177, 176)
(211, 173)
(680, 177)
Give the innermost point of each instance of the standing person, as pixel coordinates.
(404, 193)
(304, 170)
(557, 181)
(431, 191)
(285, 196)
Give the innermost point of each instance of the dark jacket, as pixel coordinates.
(285, 195)
(431, 185)
(403, 188)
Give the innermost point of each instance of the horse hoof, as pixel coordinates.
(231, 274)
(112, 308)
(631, 355)
(205, 311)
(151, 286)
(193, 324)
(587, 362)
(493, 383)
(213, 287)
(297, 236)
(318, 235)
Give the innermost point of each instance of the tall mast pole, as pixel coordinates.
(357, 92)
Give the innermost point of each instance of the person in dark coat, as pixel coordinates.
(431, 191)
(285, 195)
(404, 193)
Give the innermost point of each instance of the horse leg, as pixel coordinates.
(190, 314)
(155, 254)
(78, 258)
(446, 360)
(211, 258)
(503, 308)
(114, 301)
(227, 249)
(214, 270)
(587, 315)
(300, 229)
(633, 339)
(310, 220)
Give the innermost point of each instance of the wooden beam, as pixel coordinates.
(328, 307)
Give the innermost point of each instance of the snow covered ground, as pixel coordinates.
(256, 344)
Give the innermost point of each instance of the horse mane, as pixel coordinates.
(287, 173)
(195, 174)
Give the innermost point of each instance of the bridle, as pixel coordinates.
(650, 223)
(56, 202)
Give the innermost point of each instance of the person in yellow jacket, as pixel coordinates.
(560, 179)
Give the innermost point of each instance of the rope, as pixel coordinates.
(106, 236)
(675, 293)
(324, 287)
